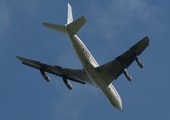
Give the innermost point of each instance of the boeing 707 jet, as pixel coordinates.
(93, 74)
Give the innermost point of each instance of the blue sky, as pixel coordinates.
(111, 28)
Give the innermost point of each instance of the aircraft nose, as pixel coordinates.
(120, 106)
(117, 104)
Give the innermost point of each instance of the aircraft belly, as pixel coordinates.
(79, 47)
(87, 61)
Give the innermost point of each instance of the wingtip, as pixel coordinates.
(17, 57)
(146, 38)
(44, 23)
(20, 58)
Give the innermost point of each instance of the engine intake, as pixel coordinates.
(141, 65)
(45, 75)
(127, 75)
(67, 83)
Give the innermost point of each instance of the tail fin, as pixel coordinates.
(69, 14)
(72, 27)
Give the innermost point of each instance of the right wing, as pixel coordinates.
(75, 75)
(113, 69)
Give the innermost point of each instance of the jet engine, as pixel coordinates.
(67, 83)
(45, 75)
(127, 75)
(141, 65)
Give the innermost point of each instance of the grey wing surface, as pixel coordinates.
(75, 75)
(113, 69)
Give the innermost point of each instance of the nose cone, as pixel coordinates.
(119, 106)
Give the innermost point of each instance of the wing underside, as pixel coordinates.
(75, 75)
(113, 69)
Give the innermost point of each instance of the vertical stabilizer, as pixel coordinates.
(69, 14)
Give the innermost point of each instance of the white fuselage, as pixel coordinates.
(89, 64)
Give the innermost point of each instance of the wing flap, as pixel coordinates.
(75, 74)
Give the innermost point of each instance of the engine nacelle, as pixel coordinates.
(67, 83)
(127, 75)
(45, 75)
(141, 65)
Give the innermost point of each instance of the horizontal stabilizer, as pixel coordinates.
(74, 27)
(59, 28)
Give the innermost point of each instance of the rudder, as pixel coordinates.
(69, 14)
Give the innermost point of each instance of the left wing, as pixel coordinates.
(113, 69)
(75, 75)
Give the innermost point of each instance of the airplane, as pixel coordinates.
(92, 74)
